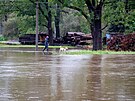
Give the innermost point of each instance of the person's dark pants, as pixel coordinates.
(45, 48)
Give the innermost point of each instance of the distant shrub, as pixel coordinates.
(2, 38)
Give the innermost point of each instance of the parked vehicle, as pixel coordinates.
(30, 38)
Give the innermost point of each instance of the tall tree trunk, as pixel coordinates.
(50, 32)
(126, 6)
(96, 29)
(49, 25)
(95, 23)
(57, 21)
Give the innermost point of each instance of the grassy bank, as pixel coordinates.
(28, 46)
(81, 52)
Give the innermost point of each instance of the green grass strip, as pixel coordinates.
(84, 52)
(29, 46)
(79, 52)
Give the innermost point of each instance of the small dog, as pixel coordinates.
(63, 49)
(87, 47)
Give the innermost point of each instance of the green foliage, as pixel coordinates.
(84, 52)
(10, 26)
(74, 22)
(69, 22)
(26, 23)
(2, 38)
(84, 25)
(130, 22)
(131, 4)
(115, 14)
(20, 17)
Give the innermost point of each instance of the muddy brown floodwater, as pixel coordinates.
(34, 76)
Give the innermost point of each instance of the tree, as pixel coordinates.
(10, 27)
(45, 9)
(112, 12)
(24, 14)
(49, 19)
(92, 11)
(120, 16)
(95, 7)
(57, 21)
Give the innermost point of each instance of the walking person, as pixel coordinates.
(46, 43)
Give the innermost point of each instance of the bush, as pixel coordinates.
(2, 38)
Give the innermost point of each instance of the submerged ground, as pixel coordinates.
(26, 75)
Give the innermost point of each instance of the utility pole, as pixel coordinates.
(36, 25)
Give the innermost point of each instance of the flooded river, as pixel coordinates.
(34, 76)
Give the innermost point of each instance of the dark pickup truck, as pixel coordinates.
(29, 39)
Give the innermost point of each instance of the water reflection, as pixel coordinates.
(94, 78)
(118, 78)
(30, 76)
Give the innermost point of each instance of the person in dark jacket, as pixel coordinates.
(46, 43)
